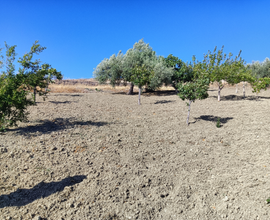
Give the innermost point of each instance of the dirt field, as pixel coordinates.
(98, 155)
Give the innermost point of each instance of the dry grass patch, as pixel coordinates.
(91, 85)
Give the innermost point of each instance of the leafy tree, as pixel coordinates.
(13, 96)
(261, 75)
(181, 71)
(141, 54)
(260, 69)
(120, 68)
(221, 67)
(38, 76)
(161, 74)
(14, 88)
(242, 75)
(141, 75)
(110, 69)
(194, 89)
(259, 84)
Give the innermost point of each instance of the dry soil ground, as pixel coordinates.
(99, 155)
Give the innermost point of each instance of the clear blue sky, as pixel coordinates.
(80, 34)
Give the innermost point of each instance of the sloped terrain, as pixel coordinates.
(99, 155)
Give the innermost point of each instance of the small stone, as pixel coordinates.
(70, 205)
(3, 150)
(225, 199)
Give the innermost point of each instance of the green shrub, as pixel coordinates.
(218, 123)
(15, 88)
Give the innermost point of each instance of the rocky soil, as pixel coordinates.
(99, 155)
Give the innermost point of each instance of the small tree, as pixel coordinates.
(13, 95)
(141, 75)
(38, 76)
(14, 88)
(259, 84)
(221, 67)
(196, 88)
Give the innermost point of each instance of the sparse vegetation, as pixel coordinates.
(218, 123)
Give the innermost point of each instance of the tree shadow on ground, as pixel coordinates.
(161, 93)
(67, 94)
(262, 97)
(152, 93)
(237, 98)
(163, 101)
(212, 118)
(57, 124)
(124, 93)
(23, 197)
(65, 102)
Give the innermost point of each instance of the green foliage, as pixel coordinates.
(141, 75)
(260, 72)
(222, 67)
(161, 74)
(260, 69)
(110, 69)
(13, 101)
(14, 88)
(259, 84)
(37, 76)
(120, 68)
(1, 58)
(196, 88)
(181, 71)
(218, 123)
(193, 90)
(141, 54)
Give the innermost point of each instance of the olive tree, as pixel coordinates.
(120, 68)
(261, 75)
(260, 69)
(110, 69)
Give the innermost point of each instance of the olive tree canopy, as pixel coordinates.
(120, 68)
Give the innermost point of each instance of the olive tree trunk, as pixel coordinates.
(35, 94)
(190, 101)
(139, 98)
(244, 89)
(130, 92)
